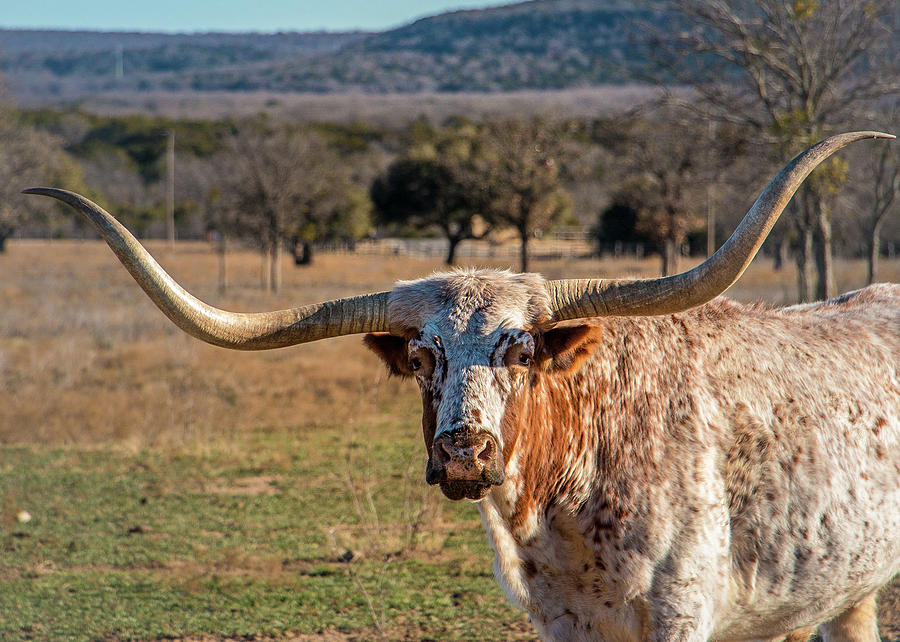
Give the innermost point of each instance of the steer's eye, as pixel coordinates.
(421, 362)
(519, 354)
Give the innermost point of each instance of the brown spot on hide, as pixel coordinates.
(746, 459)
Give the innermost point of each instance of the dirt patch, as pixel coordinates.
(253, 486)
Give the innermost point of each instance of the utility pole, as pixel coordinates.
(170, 189)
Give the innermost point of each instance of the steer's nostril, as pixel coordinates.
(445, 452)
(487, 451)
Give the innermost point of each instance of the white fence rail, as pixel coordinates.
(564, 244)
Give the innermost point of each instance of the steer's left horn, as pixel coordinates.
(238, 330)
(580, 298)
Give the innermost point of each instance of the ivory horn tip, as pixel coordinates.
(53, 192)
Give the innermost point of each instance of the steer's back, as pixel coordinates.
(810, 418)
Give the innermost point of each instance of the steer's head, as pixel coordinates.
(474, 341)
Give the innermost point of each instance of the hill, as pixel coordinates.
(540, 44)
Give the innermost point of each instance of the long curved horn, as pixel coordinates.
(237, 330)
(581, 298)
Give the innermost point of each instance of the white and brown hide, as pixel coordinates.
(731, 472)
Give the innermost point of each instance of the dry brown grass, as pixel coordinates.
(85, 358)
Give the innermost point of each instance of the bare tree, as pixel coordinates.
(885, 187)
(137, 203)
(520, 179)
(288, 184)
(667, 165)
(792, 69)
(874, 190)
(28, 158)
(199, 185)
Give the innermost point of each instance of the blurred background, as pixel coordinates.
(154, 487)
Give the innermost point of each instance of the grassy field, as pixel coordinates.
(178, 490)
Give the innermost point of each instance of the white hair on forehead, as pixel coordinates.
(501, 298)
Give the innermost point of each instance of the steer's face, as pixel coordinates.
(472, 341)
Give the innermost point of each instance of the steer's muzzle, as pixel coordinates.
(465, 464)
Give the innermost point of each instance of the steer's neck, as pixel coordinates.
(582, 436)
(584, 439)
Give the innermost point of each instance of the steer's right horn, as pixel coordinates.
(237, 330)
(581, 298)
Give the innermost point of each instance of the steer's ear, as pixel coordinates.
(565, 348)
(392, 350)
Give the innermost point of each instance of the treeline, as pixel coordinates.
(653, 177)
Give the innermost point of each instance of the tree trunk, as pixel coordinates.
(780, 256)
(451, 251)
(804, 259)
(265, 275)
(223, 265)
(523, 251)
(669, 257)
(275, 267)
(825, 287)
(2, 242)
(803, 224)
(874, 250)
(710, 224)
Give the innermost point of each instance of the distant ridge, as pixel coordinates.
(534, 45)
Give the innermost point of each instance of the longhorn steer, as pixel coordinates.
(721, 471)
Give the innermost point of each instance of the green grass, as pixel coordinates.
(284, 535)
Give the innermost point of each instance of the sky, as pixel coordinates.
(225, 15)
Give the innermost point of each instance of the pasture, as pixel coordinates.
(179, 490)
